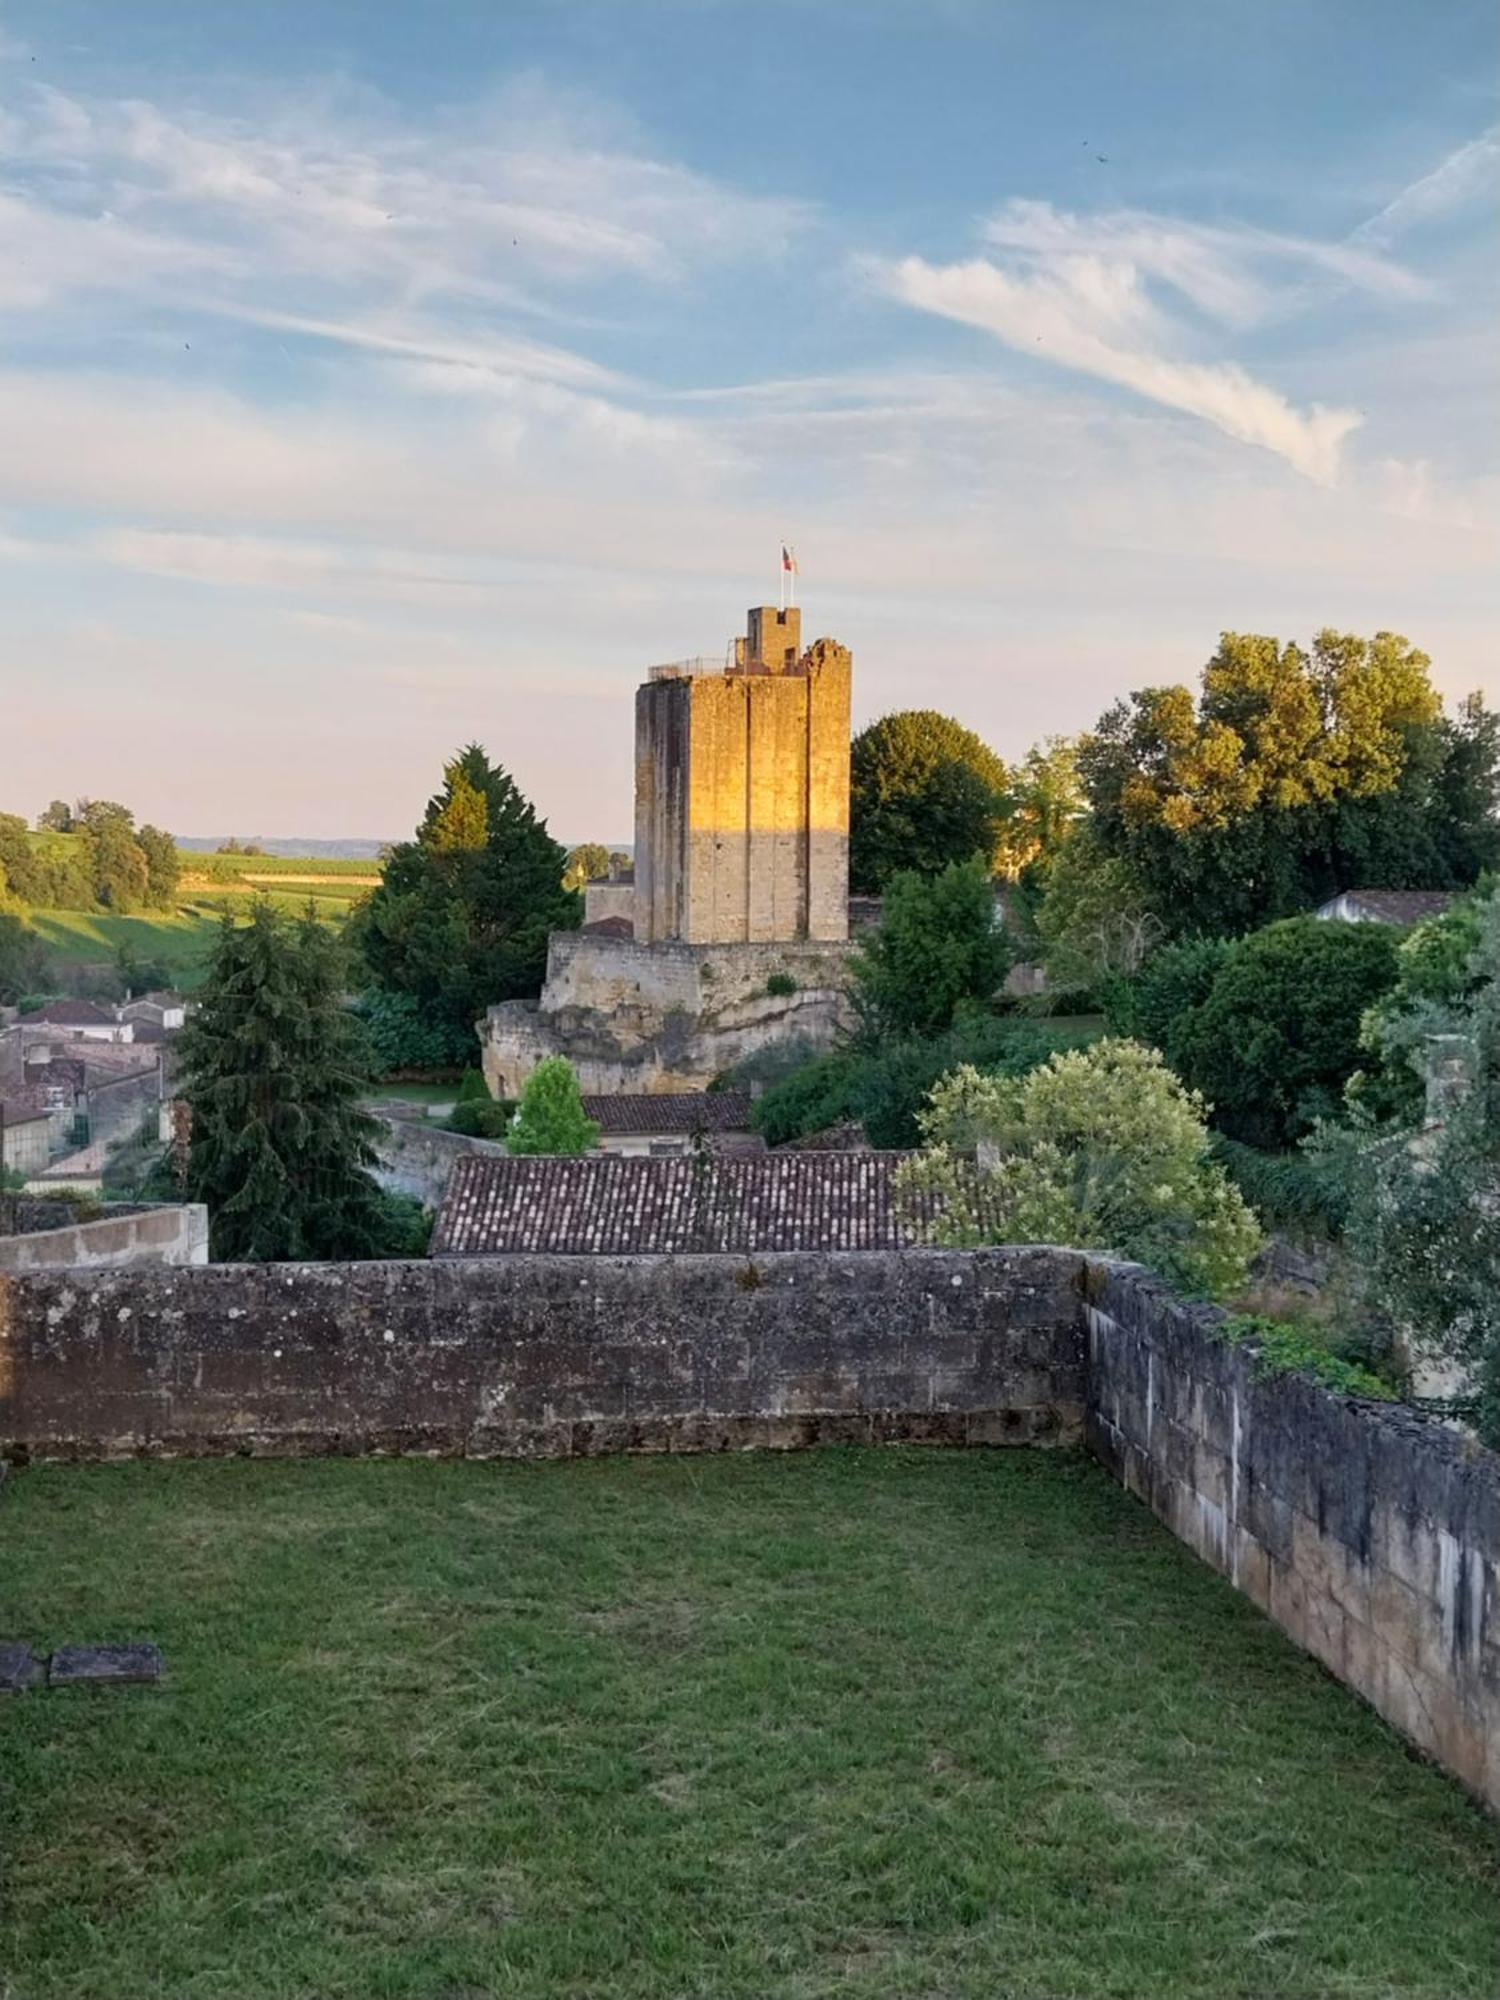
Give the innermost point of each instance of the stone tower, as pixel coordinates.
(742, 792)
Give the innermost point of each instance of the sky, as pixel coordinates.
(378, 377)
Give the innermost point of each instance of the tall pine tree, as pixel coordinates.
(461, 917)
(273, 1068)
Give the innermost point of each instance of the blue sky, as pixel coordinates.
(375, 377)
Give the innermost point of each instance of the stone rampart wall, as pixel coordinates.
(47, 1237)
(416, 1158)
(1369, 1533)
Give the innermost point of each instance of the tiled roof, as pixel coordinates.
(614, 1205)
(1397, 906)
(70, 1014)
(21, 1103)
(679, 1113)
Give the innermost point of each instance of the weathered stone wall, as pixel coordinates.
(119, 1108)
(632, 1017)
(416, 1158)
(1369, 1533)
(544, 1355)
(46, 1237)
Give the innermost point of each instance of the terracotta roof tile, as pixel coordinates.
(613, 1205)
(680, 1112)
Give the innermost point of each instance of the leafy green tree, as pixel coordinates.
(550, 1117)
(140, 975)
(462, 914)
(1427, 1211)
(884, 1088)
(588, 863)
(1293, 775)
(1438, 970)
(25, 963)
(404, 1036)
(163, 866)
(17, 859)
(1094, 922)
(1047, 806)
(937, 949)
(58, 818)
(1278, 1035)
(924, 792)
(273, 1068)
(1157, 1005)
(1100, 1148)
(117, 864)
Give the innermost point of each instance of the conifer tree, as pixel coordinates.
(273, 1066)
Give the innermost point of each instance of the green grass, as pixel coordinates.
(896, 1723)
(179, 938)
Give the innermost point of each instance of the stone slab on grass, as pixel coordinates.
(19, 1668)
(75, 1666)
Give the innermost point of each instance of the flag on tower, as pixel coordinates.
(788, 560)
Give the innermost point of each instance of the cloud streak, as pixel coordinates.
(1092, 314)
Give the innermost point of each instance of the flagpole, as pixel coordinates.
(781, 579)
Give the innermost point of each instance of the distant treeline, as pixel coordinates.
(89, 856)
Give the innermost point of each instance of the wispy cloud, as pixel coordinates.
(1469, 174)
(1081, 310)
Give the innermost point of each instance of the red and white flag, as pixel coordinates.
(788, 560)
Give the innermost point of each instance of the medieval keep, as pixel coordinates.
(733, 933)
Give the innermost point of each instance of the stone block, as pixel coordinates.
(103, 1666)
(19, 1668)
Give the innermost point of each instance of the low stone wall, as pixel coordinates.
(544, 1355)
(1369, 1533)
(417, 1158)
(48, 1237)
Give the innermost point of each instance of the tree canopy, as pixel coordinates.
(1277, 1034)
(550, 1116)
(1295, 774)
(272, 1070)
(936, 951)
(1102, 1148)
(589, 862)
(924, 792)
(461, 917)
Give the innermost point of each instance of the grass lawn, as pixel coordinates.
(917, 1725)
(179, 939)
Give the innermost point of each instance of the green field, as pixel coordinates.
(880, 1725)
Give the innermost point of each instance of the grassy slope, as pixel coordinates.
(854, 1723)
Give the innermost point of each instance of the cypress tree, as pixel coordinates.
(273, 1068)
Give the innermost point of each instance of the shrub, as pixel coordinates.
(486, 1118)
(780, 984)
(1101, 1148)
(1277, 1037)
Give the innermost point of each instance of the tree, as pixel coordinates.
(272, 1070)
(924, 792)
(1427, 1207)
(588, 863)
(17, 859)
(1100, 1148)
(550, 1117)
(936, 950)
(462, 914)
(25, 964)
(1293, 776)
(1438, 970)
(163, 866)
(58, 818)
(1094, 922)
(1047, 806)
(1157, 1005)
(117, 865)
(1278, 1035)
